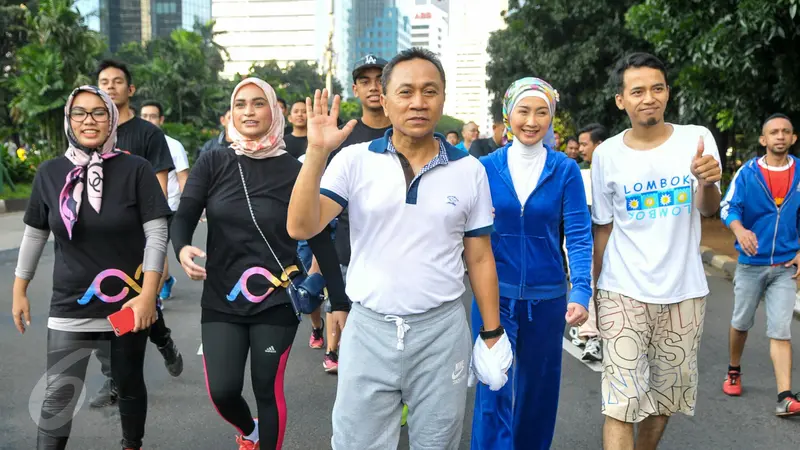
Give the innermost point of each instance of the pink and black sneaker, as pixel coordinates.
(316, 340)
(331, 362)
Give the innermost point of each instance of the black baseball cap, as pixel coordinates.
(369, 61)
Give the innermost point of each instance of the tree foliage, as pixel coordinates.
(296, 81)
(13, 36)
(59, 55)
(570, 44)
(448, 123)
(181, 72)
(736, 61)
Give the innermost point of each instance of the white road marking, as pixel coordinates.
(200, 350)
(577, 353)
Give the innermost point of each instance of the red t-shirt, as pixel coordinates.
(779, 179)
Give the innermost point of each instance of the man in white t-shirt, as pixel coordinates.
(153, 112)
(650, 185)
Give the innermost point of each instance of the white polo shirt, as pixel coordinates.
(407, 242)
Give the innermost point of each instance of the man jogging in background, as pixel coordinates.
(483, 147)
(761, 207)
(219, 142)
(407, 340)
(138, 137)
(153, 112)
(587, 336)
(650, 185)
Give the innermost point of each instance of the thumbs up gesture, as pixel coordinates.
(704, 167)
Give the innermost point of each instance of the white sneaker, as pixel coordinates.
(593, 350)
(576, 340)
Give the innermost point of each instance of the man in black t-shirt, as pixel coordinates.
(287, 130)
(483, 147)
(135, 135)
(372, 125)
(296, 142)
(141, 138)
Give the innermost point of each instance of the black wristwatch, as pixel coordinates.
(491, 334)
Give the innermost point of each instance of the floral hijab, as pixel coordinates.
(88, 171)
(530, 87)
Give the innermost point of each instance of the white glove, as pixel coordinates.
(490, 365)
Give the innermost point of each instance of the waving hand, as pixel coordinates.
(323, 131)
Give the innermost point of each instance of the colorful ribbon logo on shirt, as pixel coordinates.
(94, 288)
(241, 285)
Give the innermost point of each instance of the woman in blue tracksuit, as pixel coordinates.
(534, 189)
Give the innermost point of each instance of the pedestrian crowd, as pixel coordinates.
(368, 228)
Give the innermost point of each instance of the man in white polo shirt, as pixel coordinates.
(415, 203)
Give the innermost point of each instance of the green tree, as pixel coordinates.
(735, 62)
(60, 53)
(350, 109)
(572, 45)
(13, 36)
(296, 81)
(448, 123)
(182, 72)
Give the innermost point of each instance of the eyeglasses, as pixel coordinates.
(80, 115)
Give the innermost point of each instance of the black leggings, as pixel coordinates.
(68, 355)
(225, 348)
(159, 334)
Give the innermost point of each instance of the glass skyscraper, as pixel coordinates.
(379, 27)
(123, 21)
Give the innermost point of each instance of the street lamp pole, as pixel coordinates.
(329, 51)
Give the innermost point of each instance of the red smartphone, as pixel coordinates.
(123, 321)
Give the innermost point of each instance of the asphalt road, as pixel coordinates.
(181, 416)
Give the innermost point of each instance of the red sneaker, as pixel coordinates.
(244, 444)
(733, 384)
(331, 362)
(316, 340)
(790, 406)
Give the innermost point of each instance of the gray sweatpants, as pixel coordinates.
(386, 361)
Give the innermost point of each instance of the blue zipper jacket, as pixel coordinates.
(527, 239)
(750, 201)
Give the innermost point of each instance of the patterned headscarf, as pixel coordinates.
(530, 87)
(88, 162)
(269, 145)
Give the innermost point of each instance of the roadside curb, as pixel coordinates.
(13, 205)
(728, 265)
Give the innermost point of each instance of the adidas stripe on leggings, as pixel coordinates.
(225, 349)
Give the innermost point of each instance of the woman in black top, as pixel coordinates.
(245, 304)
(108, 216)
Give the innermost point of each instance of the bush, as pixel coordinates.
(22, 163)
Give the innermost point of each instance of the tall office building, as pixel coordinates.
(429, 26)
(261, 30)
(379, 27)
(471, 23)
(123, 21)
(341, 39)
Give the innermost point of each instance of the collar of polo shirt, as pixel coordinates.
(452, 153)
(446, 154)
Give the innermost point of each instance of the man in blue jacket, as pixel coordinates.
(761, 208)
